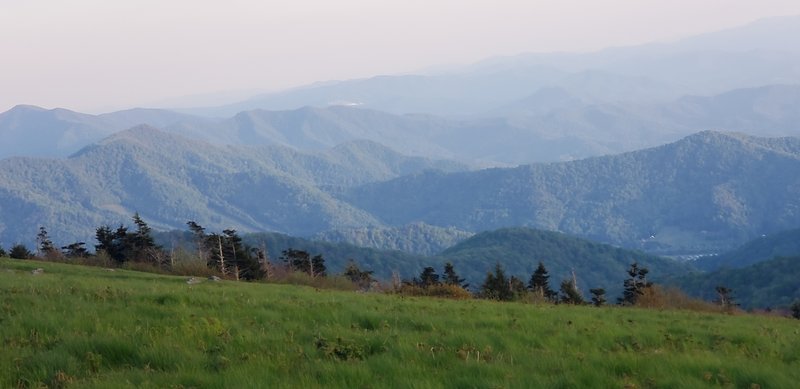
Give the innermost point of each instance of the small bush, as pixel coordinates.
(101, 259)
(301, 278)
(535, 298)
(19, 251)
(340, 349)
(671, 298)
(796, 309)
(443, 291)
(187, 264)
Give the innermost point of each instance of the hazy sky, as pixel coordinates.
(95, 55)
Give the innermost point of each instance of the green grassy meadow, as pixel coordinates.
(87, 327)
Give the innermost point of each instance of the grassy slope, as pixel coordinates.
(128, 329)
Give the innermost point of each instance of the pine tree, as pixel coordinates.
(540, 284)
(19, 251)
(265, 269)
(725, 297)
(451, 277)
(517, 287)
(302, 261)
(361, 278)
(598, 296)
(635, 285)
(140, 245)
(45, 247)
(796, 309)
(496, 286)
(75, 250)
(428, 278)
(201, 240)
(3, 252)
(570, 293)
(112, 242)
(227, 253)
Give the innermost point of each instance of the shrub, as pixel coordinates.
(190, 264)
(658, 297)
(19, 251)
(442, 291)
(796, 309)
(303, 278)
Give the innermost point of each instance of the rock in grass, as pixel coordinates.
(214, 278)
(193, 280)
(37, 271)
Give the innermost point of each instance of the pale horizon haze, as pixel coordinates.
(96, 56)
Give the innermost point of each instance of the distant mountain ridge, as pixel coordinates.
(760, 53)
(415, 238)
(781, 244)
(550, 125)
(707, 192)
(38, 132)
(170, 180)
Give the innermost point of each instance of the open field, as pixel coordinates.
(75, 326)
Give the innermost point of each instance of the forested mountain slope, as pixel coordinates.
(520, 250)
(708, 192)
(763, 248)
(771, 283)
(170, 179)
(417, 238)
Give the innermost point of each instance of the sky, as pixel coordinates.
(98, 55)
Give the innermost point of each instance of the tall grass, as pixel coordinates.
(76, 326)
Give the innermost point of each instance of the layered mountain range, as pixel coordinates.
(635, 146)
(538, 129)
(706, 192)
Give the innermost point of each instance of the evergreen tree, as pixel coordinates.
(635, 285)
(570, 293)
(45, 248)
(517, 287)
(75, 250)
(201, 240)
(496, 286)
(428, 278)
(234, 252)
(3, 252)
(540, 284)
(227, 253)
(362, 278)
(242, 262)
(725, 297)
(302, 261)
(112, 242)
(122, 246)
(19, 251)
(796, 309)
(598, 296)
(451, 277)
(140, 245)
(262, 259)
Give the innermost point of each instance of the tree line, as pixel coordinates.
(226, 254)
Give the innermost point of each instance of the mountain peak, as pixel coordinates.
(140, 133)
(22, 109)
(27, 107)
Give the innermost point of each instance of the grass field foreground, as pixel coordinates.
(75, 326)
